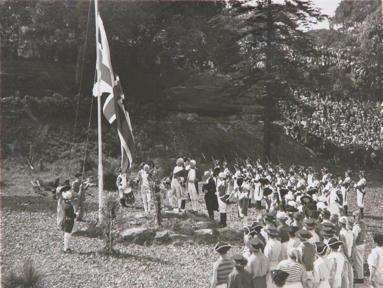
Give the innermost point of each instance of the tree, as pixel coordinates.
(369, 69)
(276, 50)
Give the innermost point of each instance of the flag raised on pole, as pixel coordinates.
(105, 78)
(124, 126)
(113, 108)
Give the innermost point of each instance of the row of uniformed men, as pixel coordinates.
(328, 254)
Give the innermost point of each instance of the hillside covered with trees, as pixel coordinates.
(198, 76)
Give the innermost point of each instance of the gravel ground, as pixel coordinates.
(28, 224)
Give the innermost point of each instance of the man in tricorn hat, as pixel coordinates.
(360, 233)
(307, 253)
(360, 192)
(222, 267)
(273, 248)
(346, 236)
(342, 274)
(310, 225)
(375, 262)
(240, 278)
(258, 265)
(322, 272)
(210, 189)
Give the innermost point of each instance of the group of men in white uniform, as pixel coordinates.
(297, 209)
(301, 225)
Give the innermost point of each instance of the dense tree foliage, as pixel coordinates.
(213, 58)
(276, 51)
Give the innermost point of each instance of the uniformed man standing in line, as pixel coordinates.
(360, 192)
(360, 232)
(345, 186)
(221, 197)
(222, 267)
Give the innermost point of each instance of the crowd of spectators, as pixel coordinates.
(347, 129)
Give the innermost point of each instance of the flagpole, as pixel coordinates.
(100, 167)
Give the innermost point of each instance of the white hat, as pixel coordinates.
(67, 195)
(322, 198)
(343, 220)
(289, 196)
(293, 203)
(180, 161)
(321, 205)
(222, 175)
(281, 215)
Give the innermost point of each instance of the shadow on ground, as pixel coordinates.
(128, 256)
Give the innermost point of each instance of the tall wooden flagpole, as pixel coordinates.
(100, 167)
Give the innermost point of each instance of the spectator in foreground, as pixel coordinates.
(222, 267)
(375, 262)
(240, 278)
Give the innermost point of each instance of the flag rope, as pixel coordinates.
(72, 144)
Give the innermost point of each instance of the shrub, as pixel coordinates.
(28, 278)
(110, 214)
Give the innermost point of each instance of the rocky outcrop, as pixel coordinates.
(138, 235)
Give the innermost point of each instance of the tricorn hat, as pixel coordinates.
(304, 234)
(239, 259)
(321, 248)
(267, 191)
(222, 247)
(272, 232)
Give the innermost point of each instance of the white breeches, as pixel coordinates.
(146, 199)
(221, 205)
(171, 198)
(66, 240)
(358, 261)
(359, 199)
(193, 195)
(176, 187)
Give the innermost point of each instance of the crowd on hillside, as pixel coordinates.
(343, 129)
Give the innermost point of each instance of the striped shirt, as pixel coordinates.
(297, 273)
(222, 268)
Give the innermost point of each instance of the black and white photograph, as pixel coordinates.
(191, 143)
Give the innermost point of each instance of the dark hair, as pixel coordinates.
(293, 230)
(378, 239)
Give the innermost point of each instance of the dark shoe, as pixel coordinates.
(67, 251)
(222, 217)
(358, 281)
